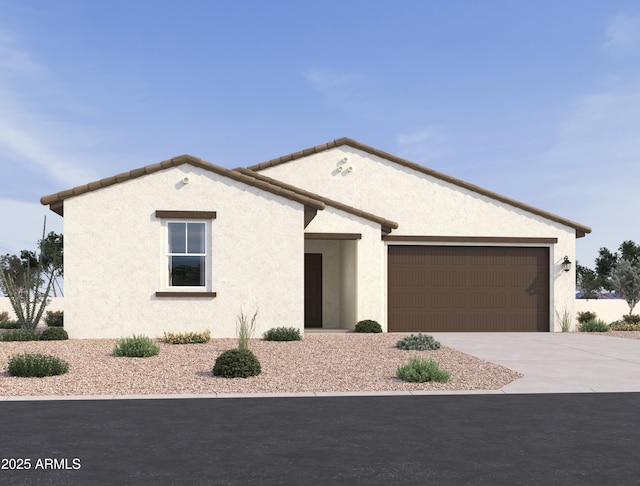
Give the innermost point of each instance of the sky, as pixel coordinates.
(538, 101)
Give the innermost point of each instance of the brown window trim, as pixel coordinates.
(185, 294)
(186, 214)
(332, 236)
(470, 239)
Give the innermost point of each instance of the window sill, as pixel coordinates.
(186, 294)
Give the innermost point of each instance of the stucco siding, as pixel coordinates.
(115, 257)
(427, 206)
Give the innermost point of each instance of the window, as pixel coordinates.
(187, 254)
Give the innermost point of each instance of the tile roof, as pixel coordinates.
(581, 229)
(56, 200)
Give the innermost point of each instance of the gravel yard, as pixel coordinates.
(320, 363)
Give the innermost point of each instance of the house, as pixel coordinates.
(320, 238)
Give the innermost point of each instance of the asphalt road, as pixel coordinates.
(564, 439)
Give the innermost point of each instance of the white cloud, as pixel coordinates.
(28, 135)
(623, 31)
(327, 81)
(423, 144)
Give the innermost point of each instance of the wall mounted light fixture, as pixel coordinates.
(566, 264)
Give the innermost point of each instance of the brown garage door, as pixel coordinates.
(463, 288)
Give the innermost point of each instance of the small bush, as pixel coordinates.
(36, 365)
(631, 319)
(420, 371)
(53, 334)
(623, 326)
(4, 316)
(54, 319)
(10, 325)
(187, 337)
(418, 342)
(20, 335)
(136, 347)
(594, 325)
(237, 363)
(368, 326)
(586, 316)
(282, 334)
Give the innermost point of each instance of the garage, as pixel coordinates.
(468, 288)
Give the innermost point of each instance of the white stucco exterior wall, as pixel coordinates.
(427, 206)
(115, 257)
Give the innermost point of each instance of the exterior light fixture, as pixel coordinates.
(566, 264)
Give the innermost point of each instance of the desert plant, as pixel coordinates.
(282, 334)
(626, 280)
(594, 325)
(187, 337)
(237, 363)
(623, 326)
(136, 347)
(9, 325)
(420, 370)
(565, 320)
(36, 365)
(245, 329)
(368, 326)
(4, 316)
(20, 335)
(586, 316)
(54, 334)
(54, 318)
(631, 319)
(418, 342)
(27, 298)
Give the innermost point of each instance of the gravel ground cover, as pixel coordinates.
(319, 363)
(620, 334)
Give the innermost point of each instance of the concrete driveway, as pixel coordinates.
(556, 362)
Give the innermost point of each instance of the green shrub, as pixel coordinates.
(418, 342)
(594, 325)
(136, 347)
(4, 316)
(36, 365)
(53, 334)
(368, 326)
(187, 337)
(623, 326)
(631, 319)
(20, 335)
(9, 325)
(237, 363)
(54, 318)
(282, 334)
(586, 316)
(419, 370)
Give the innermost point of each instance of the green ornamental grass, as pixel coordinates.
(282, 334)
(36, 365)
(594, 325)
(136, 347)
(20, 335)
(419, 370)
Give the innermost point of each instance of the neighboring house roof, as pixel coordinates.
(56, 201)
(581, 230)
(387, 224)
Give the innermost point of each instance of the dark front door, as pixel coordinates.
(313, 290)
